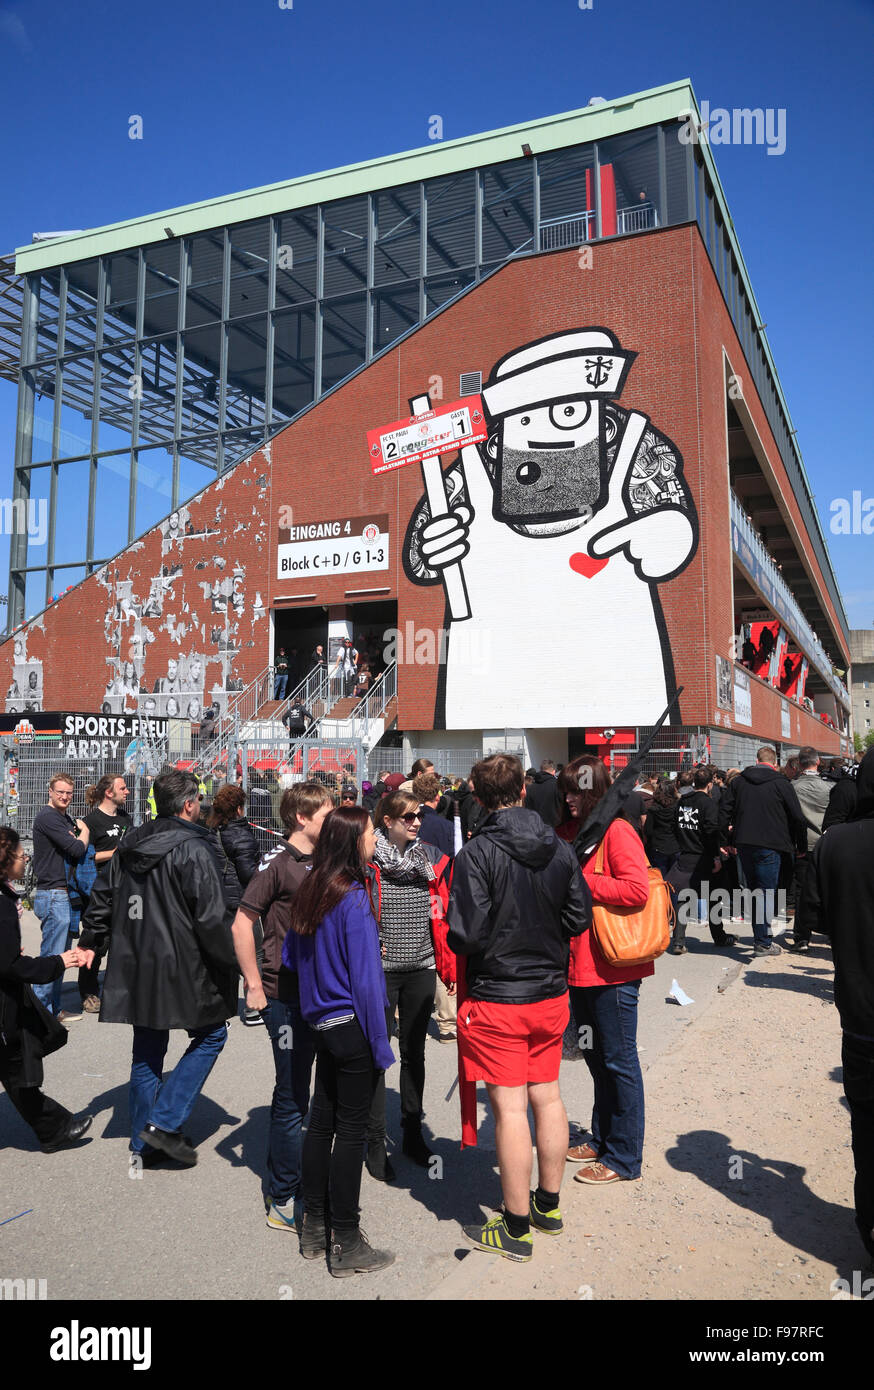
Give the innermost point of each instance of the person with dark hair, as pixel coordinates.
(272, 990)
(280, 675)
(604, 998)
(172, 963)
(843, 793)
(58, 841)
(696, 827)
(660, 831)
(813, 796)
(517, 901)
(238, 854)
(28, 1032)
(333, 948)
(108, 822)
(839, 902)
(434, 829)
(766, 823)
(414, 890)
(543, 794)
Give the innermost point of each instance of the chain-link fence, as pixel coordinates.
(28, 769)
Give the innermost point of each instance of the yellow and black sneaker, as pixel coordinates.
(549, 1222)
(495, 1238)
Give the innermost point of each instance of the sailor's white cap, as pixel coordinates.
(564, 366)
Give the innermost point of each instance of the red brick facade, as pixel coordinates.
(656, 293)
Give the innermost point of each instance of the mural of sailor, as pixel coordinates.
(566, 521)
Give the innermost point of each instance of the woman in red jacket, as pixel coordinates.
(604, 997)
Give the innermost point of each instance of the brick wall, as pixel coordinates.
(656, 293)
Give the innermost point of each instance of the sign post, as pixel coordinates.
(426, 435)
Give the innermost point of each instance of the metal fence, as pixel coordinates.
(26, 782)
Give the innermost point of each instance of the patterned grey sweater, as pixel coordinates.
(405, 920)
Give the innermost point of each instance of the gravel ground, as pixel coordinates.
(749, 1071)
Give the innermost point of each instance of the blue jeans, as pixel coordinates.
(167, 1104)
(618, 1113)
(52, 907)
(761, 869)
(293, 1060)
(280, 685)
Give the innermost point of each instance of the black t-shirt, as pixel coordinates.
(107, 831)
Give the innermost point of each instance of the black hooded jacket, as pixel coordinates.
(172, 962)
(517, 899)
(544, 796)
(762, 807)
(839, 902)
(842, 802)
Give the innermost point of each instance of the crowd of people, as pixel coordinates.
(481, 900)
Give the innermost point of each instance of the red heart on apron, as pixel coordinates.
(586, 565)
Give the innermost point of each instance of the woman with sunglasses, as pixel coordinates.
(414, 891)
(333, 947)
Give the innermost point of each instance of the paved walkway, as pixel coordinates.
(750, 1073)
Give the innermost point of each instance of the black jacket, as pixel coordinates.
(839, 901)
(842, 802)
(436, 830)
(172, 962)
(697, 831)
(27, 1029)
(517, 899)
(659, 832)
(544, 796)
(762, 807)
(239, 854)
(472, 813)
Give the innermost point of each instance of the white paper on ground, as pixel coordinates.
(678, 995)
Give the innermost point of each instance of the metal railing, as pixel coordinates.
(242, 707)
(802, 631)
(638, 218)
(557, 232)
(370, 708)
(313, 692)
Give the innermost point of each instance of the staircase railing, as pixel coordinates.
(371, 707)
(241, 707)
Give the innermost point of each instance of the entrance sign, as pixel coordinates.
(348, 545)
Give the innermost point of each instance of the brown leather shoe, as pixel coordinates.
(582, 1153)
(91, 1005)
(597, 1173)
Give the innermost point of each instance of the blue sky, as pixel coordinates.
(234, 95)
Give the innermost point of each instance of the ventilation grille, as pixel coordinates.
(470, 383)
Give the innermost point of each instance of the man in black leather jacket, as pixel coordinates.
(517, 899)
(172, 963)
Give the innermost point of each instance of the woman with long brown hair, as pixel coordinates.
(604, 998)
(333, 946)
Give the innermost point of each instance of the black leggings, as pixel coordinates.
(411, 992)
(345, 1078)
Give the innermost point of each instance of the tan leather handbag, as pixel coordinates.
(634, 935)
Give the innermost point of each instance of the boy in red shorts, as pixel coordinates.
(517, 899)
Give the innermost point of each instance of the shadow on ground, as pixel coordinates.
(775, 1189)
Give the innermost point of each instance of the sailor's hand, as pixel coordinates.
(660, 541)
(444, 540)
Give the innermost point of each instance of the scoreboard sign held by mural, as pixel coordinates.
(345, 545)
(426, 436)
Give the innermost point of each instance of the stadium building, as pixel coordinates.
(241, 421)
